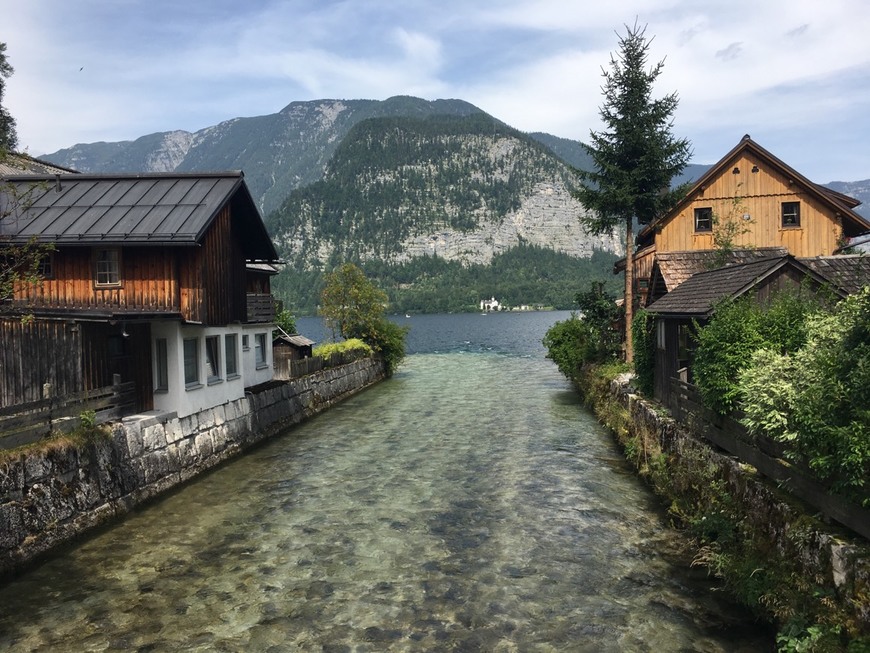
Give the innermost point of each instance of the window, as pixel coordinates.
(791, 214)
(108, 267)
(245, 345)
(212, 359)
(191, 362)
(704, 219)
(660, 334)
(161, 377)
(260, 350)
(230, 349)
(46, 266)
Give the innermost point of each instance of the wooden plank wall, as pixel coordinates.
(761, 194)
(148, 282)
(36, 353)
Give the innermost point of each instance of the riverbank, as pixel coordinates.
(50, 494)
(811, 579)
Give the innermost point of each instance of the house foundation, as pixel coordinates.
(50, 495)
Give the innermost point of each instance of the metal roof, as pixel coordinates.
(145, 209)
(20, 164)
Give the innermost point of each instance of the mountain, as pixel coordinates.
(278, 152)
(415, 200)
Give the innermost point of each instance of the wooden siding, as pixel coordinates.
(213, 277)
(148, 283)
(36, 353)
(760, 194)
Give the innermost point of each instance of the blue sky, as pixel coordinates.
(795, 74)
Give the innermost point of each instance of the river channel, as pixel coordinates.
(470, 503)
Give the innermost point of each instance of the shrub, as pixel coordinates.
(644, 340)
(570, 343)
(354, 344)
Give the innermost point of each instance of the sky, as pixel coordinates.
(794, 74)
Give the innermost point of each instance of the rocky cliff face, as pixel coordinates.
(548, 217)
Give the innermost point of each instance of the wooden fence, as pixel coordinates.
(766, 455)
(293, 369)
(26, 423)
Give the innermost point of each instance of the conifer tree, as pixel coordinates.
(635, 156)
(8, 136)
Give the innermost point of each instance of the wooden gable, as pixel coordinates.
(749, 186)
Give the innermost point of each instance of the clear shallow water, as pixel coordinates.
(468, 504)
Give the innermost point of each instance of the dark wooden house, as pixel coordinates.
(149, 278)
(694, 301)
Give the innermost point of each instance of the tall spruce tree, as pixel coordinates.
(635, 157)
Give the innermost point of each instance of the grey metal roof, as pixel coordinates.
(697, 296)
(19, 164)
(144, 209)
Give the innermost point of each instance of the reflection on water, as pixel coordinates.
(468, 504)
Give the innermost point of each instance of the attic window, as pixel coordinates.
(791, 214)
(107, 267)
(704, 219)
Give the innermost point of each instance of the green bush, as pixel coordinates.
(644, 340)
(736, 331)
(570, 343)
(354, 344)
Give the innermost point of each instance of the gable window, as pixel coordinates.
(704, 219)
(212, 359)
(107, 267)
(161, 377)
(191, 362)
(230, 355)
(260, 350)
(791, 214)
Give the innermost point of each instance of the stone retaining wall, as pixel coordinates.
(832, 557)
(52, 494)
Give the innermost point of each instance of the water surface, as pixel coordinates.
(468, 504)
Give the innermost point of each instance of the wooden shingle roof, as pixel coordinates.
(146, 209)
(698, 295)
(848, 272)
(677, 267)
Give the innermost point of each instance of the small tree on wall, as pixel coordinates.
(635, 157)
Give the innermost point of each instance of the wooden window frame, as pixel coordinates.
(213, 359)
(261, 356)
(231, 355)
(45, 268)
(191, 383)
(117, 283)
(704, 213)
(795, 215)
(161, 359)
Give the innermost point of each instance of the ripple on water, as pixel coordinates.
(469, 504)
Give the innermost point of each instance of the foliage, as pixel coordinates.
(570, 344)
(525, 274)
(813, 398)
(636, 156)
(586, 338)
(644, 336)
(285, 320)
(8, 136)
(327, 349)
(602, 314)
(737, 329)
(354, 307)
(727, 229)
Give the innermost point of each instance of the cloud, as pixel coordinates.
(740, 66)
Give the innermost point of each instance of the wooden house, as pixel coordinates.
(694, 301)
(769, 205)
(152, 277)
